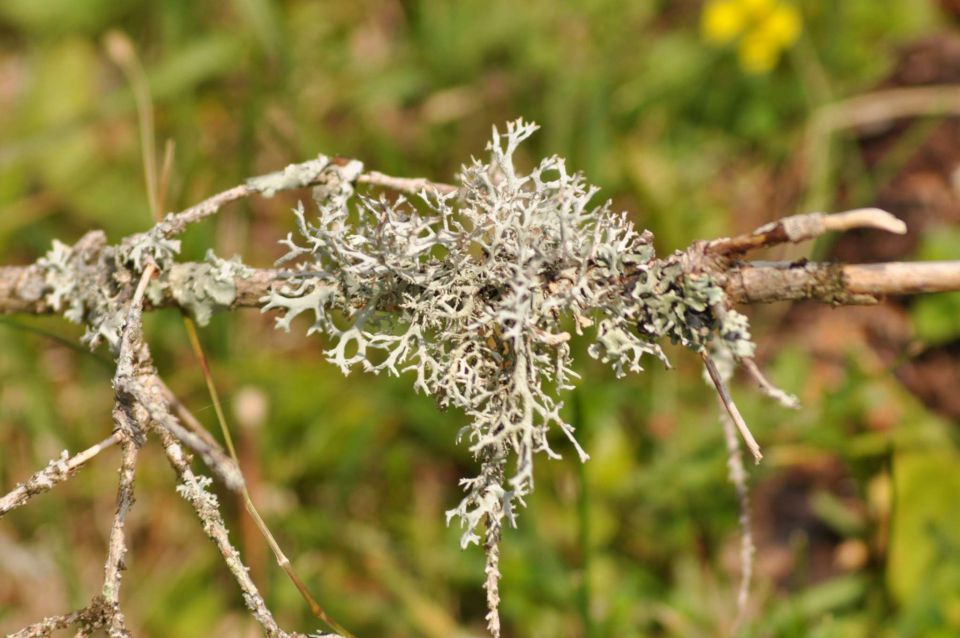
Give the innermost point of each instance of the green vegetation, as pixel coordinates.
(855, 517)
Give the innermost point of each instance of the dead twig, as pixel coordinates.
(409, 185)
(798, 228)
(57, 471)
(738, 477)
(193, 489)
(724, 394)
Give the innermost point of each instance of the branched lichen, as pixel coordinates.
(469, 292)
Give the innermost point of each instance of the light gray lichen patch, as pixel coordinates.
(470, 291)
(90, 281)
(201, 289)
(302, 175)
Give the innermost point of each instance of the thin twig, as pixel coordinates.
(57, 471)
(281, 557)
(772, 391)
(799, 228)
(177, 223)
(131, 425)
(410, 185)
(98, 614)
(724, 394)
(206, 506)
(117, 548)
(192, 422)
(738, 476)
(50, 624)
(151, 393)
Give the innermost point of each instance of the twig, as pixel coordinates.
(99, 613)
(491, 550)
(763, 282)
(192, 422)
(152, 394)
(177, 223)
(57, 471)
(117, 548)
(752, 282)
(731, 407)
(738, 476)
(410, 185)
(295, 176)
(772, 391)
(251, 508)
(131, 425)
(50, 624)
(808, 226)
(205, 504)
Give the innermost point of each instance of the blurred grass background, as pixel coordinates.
(856, 506)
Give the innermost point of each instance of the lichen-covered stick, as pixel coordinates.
(56, 471)
(744, 283)
(193, 489)
(131, 425)
(90, 616)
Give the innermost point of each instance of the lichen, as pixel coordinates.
(300, 175)
(470, 293)
(89, 282)
(201, 289)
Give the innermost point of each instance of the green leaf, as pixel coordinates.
(925, 531)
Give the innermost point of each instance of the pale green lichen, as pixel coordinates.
(90, 281)
(201, 289)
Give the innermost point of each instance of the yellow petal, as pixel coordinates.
(782, 26)
(722, 21)
(757, 54)
(756, 8)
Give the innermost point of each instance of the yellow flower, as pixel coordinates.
(722, 21)
(761, 28)
(757, 7)
(782, 26)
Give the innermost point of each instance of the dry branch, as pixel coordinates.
(193, 489)
(56, 472)
(764, 282)
(747, 283)
(797, 228)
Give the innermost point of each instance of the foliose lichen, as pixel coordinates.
(91, 281)
(201, 289)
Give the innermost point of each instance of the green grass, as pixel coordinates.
(354, 474)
